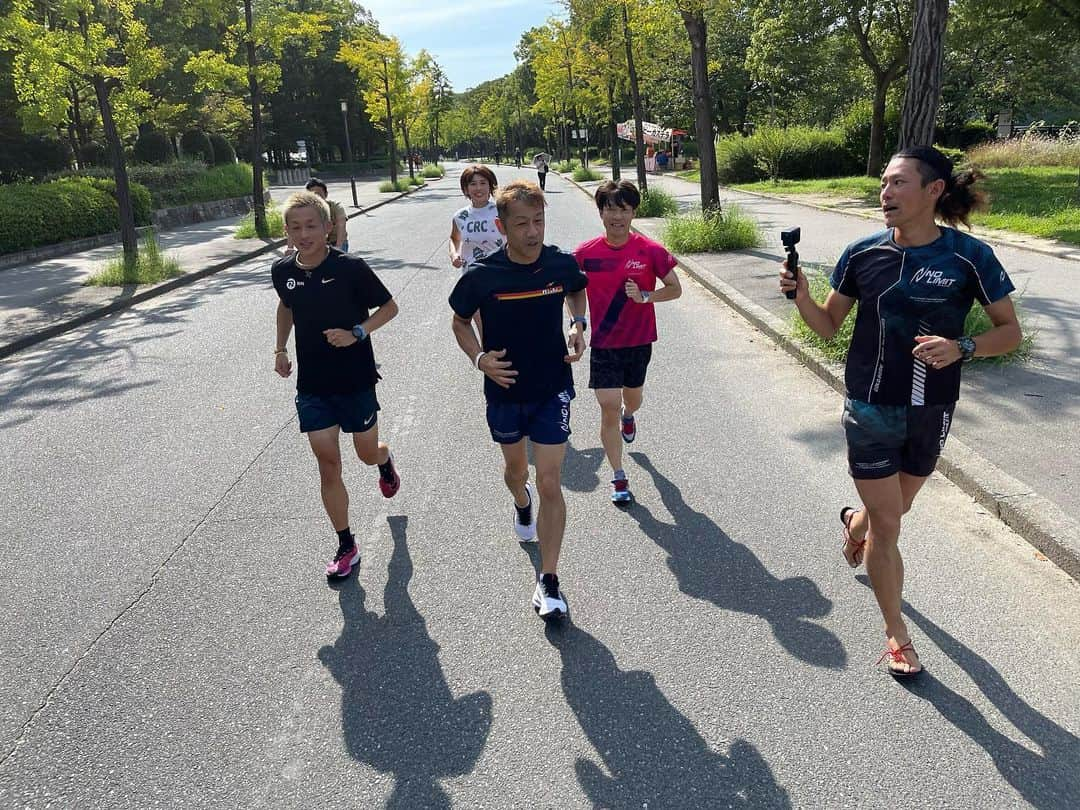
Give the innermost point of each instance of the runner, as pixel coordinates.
(520, 290)
(473, 233)
(915, 282)
(328, 295)
(622, 268)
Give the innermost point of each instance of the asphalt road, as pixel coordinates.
(169, 640)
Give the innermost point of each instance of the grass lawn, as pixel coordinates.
(1038, 200)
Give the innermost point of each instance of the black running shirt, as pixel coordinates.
(338, 294)
(904, 292)
(521, 307)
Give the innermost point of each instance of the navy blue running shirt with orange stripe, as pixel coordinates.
(521, 307)
(617, 322)
(904, 292)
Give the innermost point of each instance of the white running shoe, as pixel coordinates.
(525, 518)
(548, 601)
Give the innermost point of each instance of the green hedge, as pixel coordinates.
(224, 154)
(69, 208)
(187, 181)
(795, 153)
(154, 147)
(195, 145)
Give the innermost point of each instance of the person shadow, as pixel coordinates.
(581, 469)
(1047, 778)
(651, 753)
(398, 714)
(710, 566)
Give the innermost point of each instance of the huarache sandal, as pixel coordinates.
(855, 560)
(897, 658)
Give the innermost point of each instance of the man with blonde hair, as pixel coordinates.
(519, 292)
(328, 296)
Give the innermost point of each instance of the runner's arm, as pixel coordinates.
(341, 235)
(1002, 338)
(670, 290)
(575, 342)
(455, 245)
(382, 316)
(824, 319)
(490, 362)
(284, 324)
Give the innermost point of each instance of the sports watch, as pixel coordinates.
(645, 296)
(580, 319)
(359, 332)
(966, 344)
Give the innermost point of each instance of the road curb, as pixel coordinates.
(96, 313)
(1039, 521)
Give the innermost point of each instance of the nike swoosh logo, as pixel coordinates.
(370, 419)
(327, 280)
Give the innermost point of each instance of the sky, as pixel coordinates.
(473, 40)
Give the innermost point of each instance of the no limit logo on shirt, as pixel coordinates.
(551, 289)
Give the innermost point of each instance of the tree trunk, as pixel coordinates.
(128, 236)
(699, 64)
(877, 127)
(923, 93)
(390, 123)
(261, 228)
(635, 95)
(408, 149)
(613, 133)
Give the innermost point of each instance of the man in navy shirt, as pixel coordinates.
(519, 292)
(914, 283)
(328, 296)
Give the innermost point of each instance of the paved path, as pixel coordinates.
(169, 641)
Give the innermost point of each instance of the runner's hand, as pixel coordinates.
(457, 261)
(633, 291)
(499, 371)
(340, 337)
(282, 364)
(801, 286)
(575, 342)
(936, 352)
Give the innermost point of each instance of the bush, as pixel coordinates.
(1030, 150)
(854, 126)
(154, 147)
(656, 203)
(33, 157)
(149, 267)
(584, 174)
(140, 198)
(93, 153)
(566, 166)
(188, 181)
(416, 181)
(222, 150)
(432, 170)
(795, 153)
(966, 135)
(955, 155)
(387, 186)
(69, 208)
(274, 223)
(697, 233)
(195, 145)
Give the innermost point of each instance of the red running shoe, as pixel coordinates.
(389, 480)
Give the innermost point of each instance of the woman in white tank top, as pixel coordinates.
(473, 233)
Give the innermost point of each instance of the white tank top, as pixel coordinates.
(479, 235)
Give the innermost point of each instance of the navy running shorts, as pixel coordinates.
(619, 368)
(354, 412)
(883, 440)
(545, 422)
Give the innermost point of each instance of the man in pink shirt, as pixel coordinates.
(623, 268)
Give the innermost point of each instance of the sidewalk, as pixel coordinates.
(1015, 444)
(42, 300)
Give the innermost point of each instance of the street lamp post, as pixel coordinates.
(348, 150)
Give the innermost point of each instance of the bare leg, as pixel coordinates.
(324, 444)
(886, 501)
(516, 471)
(368, 447)
(610, 400)
(551, 517)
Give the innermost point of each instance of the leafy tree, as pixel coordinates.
(248, 64)
(380, 63)
(100, 43)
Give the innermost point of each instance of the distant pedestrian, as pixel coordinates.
(528, 383)
(329, 296)
(540, 161)
(623, 268)
(498, 157)
(517, 157)
(915, 282)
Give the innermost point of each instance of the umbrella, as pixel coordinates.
(541, 157)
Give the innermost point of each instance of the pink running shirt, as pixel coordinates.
(615, 320)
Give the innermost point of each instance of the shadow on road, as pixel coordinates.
(711, 566)
(397, 712)
(581, 468)
(1048, 778)
(654, 755)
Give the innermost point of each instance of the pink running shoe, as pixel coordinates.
(389, 480)
(343, 563)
